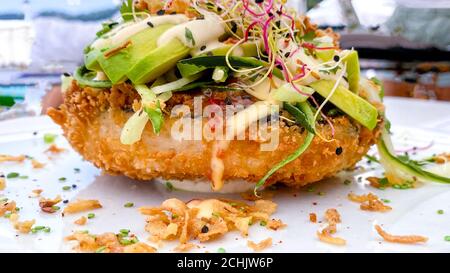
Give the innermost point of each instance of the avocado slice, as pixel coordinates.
(90, 59)
(158, 62)
(350, 103)
(353, 70)
(142, 44)
(248, 49)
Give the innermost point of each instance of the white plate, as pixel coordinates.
(414, 211)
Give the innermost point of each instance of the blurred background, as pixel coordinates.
(405, 43)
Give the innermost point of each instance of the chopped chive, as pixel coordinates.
(47, 229)
(91, 215)
(169, 186)
(321, 193)
(23, 177)
(66, 188)
(7, 215)
(386, 200)
(347, 182)
(55, 208)
(62, 179)
(310, 189)
(447, 238)
(50, 138)
(128, 205)
(440, 211)
(189, 36)
(263, 223)
(124, 231)
(12, 175)
(221, 250)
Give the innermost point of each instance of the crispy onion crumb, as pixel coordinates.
(81, 205)
(36, 164)
(81, 221)
(401, 239)
(369, 202)
(11, 158)
(206, 220)
(261, 245)
(2, 183)
(53, 149)
(332, 217)
(48, 205)
(108, 243)
(313, 218)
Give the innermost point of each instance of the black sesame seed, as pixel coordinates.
(228, 101)
(270, 14)
(203, 48)
(259, 1)
(287, 54)
(336, 58)
(339, 150)
(205, 229)
(233, 27)
(161, 12)
(74, 186)
(34, 133)
(66, 201)
(2, 175)
(66, 74)
(150, 24)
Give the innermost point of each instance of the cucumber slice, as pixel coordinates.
(350, 103)
(288, 93)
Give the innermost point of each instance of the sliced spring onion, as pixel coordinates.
(306, 109)
(85, 77)
(220, 74)
(172, 86)
(133, 128)
(287, 93)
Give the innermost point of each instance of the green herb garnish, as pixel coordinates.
(128, 205)
(12, 175)
(189, 36)
(221, 250)
(50, 138)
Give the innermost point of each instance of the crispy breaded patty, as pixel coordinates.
(92, 120)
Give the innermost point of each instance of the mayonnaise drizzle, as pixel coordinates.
(205, 33)
(123, 32)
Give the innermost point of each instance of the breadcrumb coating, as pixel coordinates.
(92, 120)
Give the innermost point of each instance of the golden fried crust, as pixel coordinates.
(92, 120)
